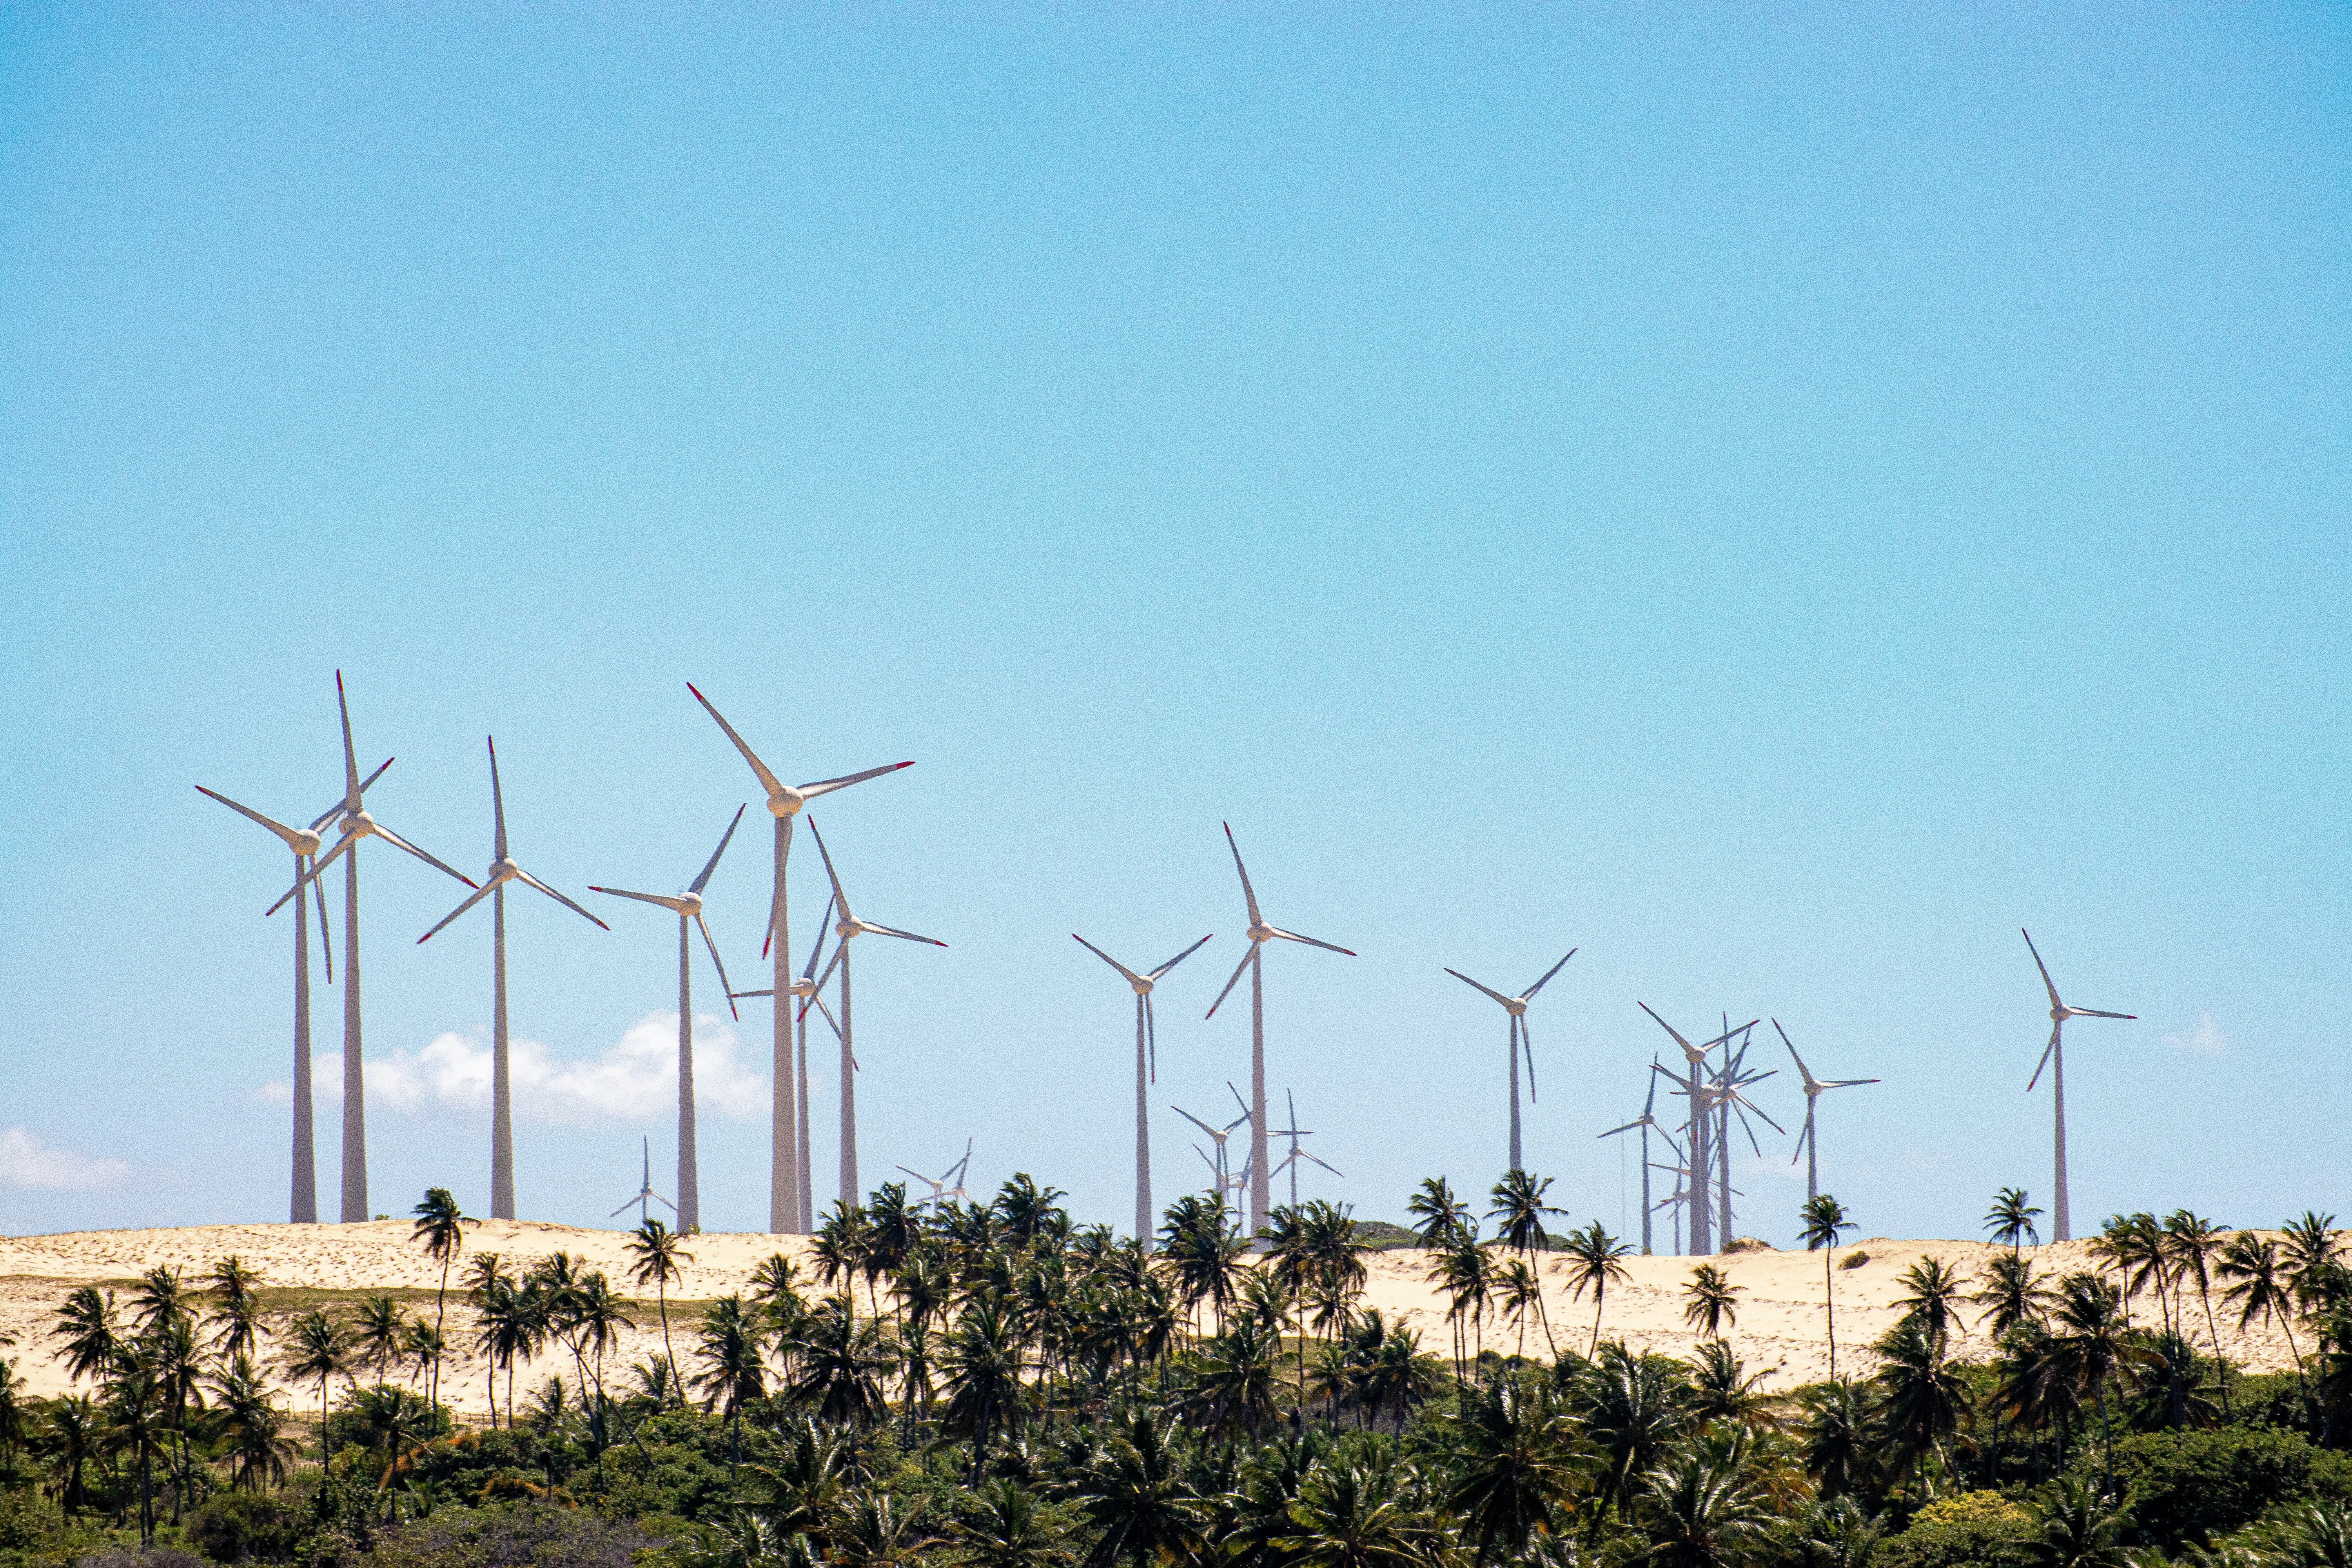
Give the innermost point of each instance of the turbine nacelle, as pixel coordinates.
(1259, 931)
(786, 802)
(303, 841)
(501, 872)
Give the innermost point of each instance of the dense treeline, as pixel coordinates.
(991, 1385)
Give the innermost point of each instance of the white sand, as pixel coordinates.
(1780, 1316)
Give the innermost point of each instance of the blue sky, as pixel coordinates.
(1773, 497)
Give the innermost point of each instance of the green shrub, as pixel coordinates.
(248, 1527)
(2190, 1487)
(1974, 1530)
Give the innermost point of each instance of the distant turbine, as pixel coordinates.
(644, 1192)
(1517, 1006)
(502, 871)
(2053, 1056)
(845, 928)
(1290, 1161)
(945, 1187)
(303, 1205)
(786, 1207)
(1218, 1135)
(1695, 1086)
(688, 907)
(804, 988)
(1725, 1096)
(354, 825)
(1645, 1121)
(1147, 1039)
(1259, 935)
(1808, 1143)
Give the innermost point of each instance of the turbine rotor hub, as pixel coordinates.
(306, 842)
(357, 825)
(503, 870)
(1517, 1006)
(1260, 932)
(1142, 987)
(802, 988)
(692, 902)
(786, 804)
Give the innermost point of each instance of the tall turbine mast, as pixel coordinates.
(1147, 1043)
(1808, 1143)
(688, 908)
(2053, 1056)
(1695, 1085)
(1644, 1121)
(353, 827)
(1290, 1161)
(1521, 1040)
(785, 1206)
(1259, 935)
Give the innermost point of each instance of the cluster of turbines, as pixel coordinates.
(1712, 1081)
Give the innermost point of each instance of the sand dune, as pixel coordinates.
(1780, 1321)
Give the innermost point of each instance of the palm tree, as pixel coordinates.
(1594, 1260)
(93, 1341)
(1633, 1408)
(2262, 1289)
(2192, 1241)
(1437, 1212)
(2091, 1345)
(1931, 1299)
(1203, 1251)
(1824, 1221)
(596, 1320)
(842, 1242)
(1001, 1526)
(803, 1486)
(1349, 1516)
(1839, 1436)
(658, 1256)
(1233, 1382)
(1516, 1469)
(1133, 1495)
(1921, 1399)
(71, 1435)
(873, 1534)
(440, 1228)
(316, 1350)
(1703, 1512)
(377, 1330)
(170, 1348)
(1465, 1269)
(843, 1363)
(732, 1372)
(237, 1320)
(2308, 1244)
(1027, 1210)
(135, 1423)
(2010, 1293)
(1710, 1301)
(1520, 1289)
(507, 1329)
(257, 1453)
(2079, 1529)
(1722, 1390)
(160, 1299)
(1520, 1211)
(2010, 1218)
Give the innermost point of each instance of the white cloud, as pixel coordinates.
(2207, 1039)
(27, 1162)
(633, 1079)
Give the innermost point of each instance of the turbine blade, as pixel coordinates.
(1555, 969)
(712, 864)
(1689, 1053)
(1498, 997)
(397, 842)
(247, 812)
(1627, 1128)
(1179, 958)
(2047, 984)
(478, 895)
(2095, 1013)
(716, 964)
(1849, 1082)
(1803, 1137)
(1527, 1045)
(498, 801)
(1151, 1037)
(831, 1022)
(2044, 1062)
(1311, 941)
(1248, 893)
(350, 762)
(1320, 1161)
(1811, 1086)
(1651, 1099)
(1194, 1120)
(1132, 975)
(1245, 964)
(826, 786)
(768, 781)
(840, 899)
(901, 936)
(747, 995)
(317, 865)
(366, 785)
(326, 944)
(523, 876)
(838, 949)
(823, 924)
(674, 906)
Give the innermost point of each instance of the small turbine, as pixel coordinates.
(1808, 1141)
(1521, 1040)
(2053, 1056)
(1147, 1041)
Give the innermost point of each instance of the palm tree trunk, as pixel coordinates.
(2221, 1364)
(1598, 1291)
(1828, 1305)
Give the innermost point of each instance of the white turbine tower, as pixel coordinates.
(786, 1157)
(1647, 1121)
(355, 826)
(846, 927)
(1517, 1006)
(1289, 1161)
(2053, 1056)
(644, 1192)
(1259, 935)
(805, 987)
(1147, 1043)
(303, 1202)
(688, 908)
(1808, 1142)
(502, 871)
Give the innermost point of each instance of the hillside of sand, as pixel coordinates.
(1779, 1324)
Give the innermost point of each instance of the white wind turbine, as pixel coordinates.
(2053, 1056)
(688, 908)
(1289, 1161)
(1218, 1135)
(303, 1205)
(502, 871)
(1147, 1042)
(1694, 1086)
(1808, 1143)
(945, 1187)
(355, 826)
(845, 928)
(1259, 935)
(1647, 1122)
(1517, 1006)
(646, 1193)
(787, 1207)
(805, 987)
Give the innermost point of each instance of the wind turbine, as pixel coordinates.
(1695, 1086)
(303, 1205)
(646, 1192)
(805, 987)
(1645, 1121)
(353, 827)
(845, 929)
(1147, 1038)
(688, 908)
(1290, 1162)
(2053, 1056)
(1218, 1135)
(1259, 935)
(1517, 1006)
(1808, 1143)
(940, 1184)
(502, 871)
(787, 1207)
(1729, 1101)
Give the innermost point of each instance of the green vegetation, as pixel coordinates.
(990, 1386)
